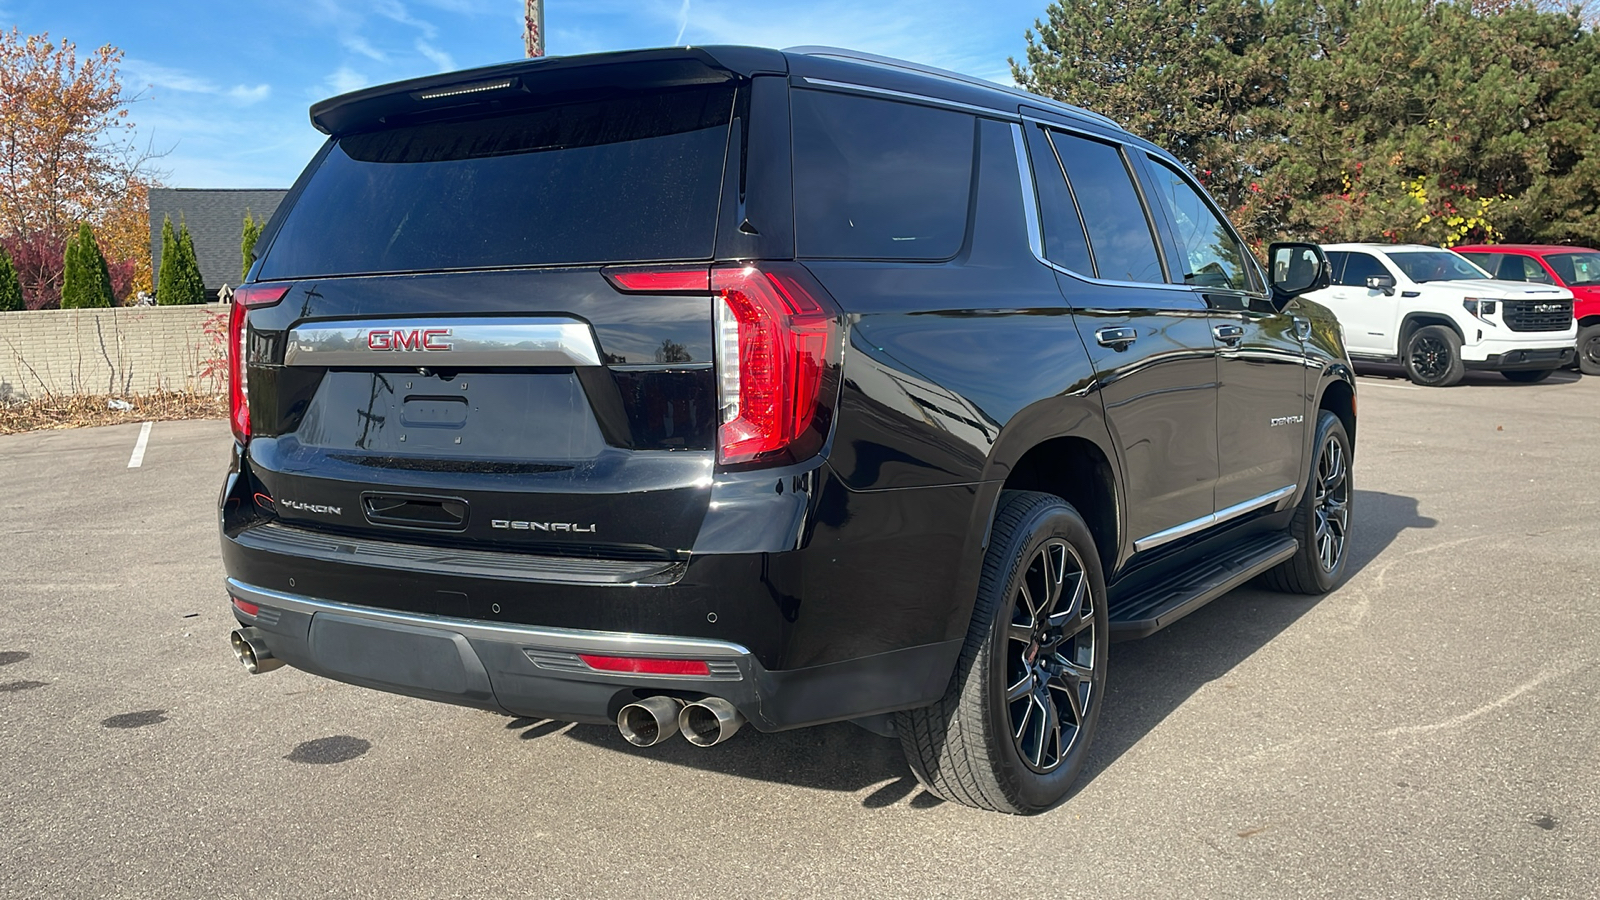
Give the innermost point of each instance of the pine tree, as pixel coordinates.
(247, 243)
(179, 281)
(10, 284)
(86, 282)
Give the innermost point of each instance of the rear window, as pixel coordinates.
(876, 179)
(634, 178)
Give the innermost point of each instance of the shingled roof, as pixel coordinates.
(216, 223)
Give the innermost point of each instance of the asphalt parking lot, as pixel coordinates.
(1431, 729)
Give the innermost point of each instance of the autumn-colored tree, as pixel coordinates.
(67, 156)
(86, 282)
(10, 287)
(247, 243)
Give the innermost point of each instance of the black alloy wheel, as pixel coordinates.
(1433, 356)
(1589, 349)
(1051, 660)
(1331, 502)
(1014, 726)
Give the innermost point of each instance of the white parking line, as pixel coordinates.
(1372, 382)
(137, 459)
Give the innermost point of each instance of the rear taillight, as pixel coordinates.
(777, 346)
(245, 298)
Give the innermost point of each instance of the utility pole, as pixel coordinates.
(533, 33)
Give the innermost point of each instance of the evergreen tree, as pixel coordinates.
(86, 282)
(247, 243)
(10, 284)
(179, 281)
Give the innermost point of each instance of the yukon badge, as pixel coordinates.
(319, 508)
(518, 525)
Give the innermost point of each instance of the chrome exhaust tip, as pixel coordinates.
(709, 722)
(252, 651)
(648, 722)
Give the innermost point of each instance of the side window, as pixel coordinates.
(1532, 271)
(1065, 243)
(1212, 256)
(1336, 260)
(877, 179)
(1119, 231)
(1359, 267)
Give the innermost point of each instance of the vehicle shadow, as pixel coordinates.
(1148, 680)
(1472, 378)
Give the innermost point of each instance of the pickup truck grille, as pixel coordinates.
(1537, 315)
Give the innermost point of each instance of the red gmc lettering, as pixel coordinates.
(415, 339)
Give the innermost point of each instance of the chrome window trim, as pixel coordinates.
(492, 342)
(1030, 211)
(604, 642)
(922, 99)
(1169, 535)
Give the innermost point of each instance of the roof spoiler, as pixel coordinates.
(525, 81)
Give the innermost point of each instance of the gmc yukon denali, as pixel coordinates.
(693, 388)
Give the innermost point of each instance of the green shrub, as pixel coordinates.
(86, 280)
(10, 284)
(179, 282)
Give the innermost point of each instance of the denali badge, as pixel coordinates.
(408, 339)
(1287, 420)
(297, 506)
(541, 526)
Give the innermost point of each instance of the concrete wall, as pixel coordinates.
(124, 350)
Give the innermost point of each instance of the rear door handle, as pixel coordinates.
(1229, 334)
(1116, 338)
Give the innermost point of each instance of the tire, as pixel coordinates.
(1433, 357)
(1322, 520)
(1527, 376)
(1589, 349)
(965, 747)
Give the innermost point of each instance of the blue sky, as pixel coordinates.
(224, 86)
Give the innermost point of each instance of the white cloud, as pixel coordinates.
(393, 9)
(168, 78)
(355, 43)
(444, 61)
(343, 80)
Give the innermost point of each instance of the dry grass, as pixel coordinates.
(47, 413)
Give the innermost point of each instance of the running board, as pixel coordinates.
(1165, 602)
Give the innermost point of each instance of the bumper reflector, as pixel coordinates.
(638, 665)
(249, 609)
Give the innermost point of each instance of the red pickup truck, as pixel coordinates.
(1575, 268)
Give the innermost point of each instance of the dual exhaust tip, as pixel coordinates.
(252, 651)
(705, 723)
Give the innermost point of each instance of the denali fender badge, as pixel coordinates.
(1287, 420)
(408, 339)
(516, 525)
(297, 506)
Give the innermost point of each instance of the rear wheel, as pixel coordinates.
(1322, 520)
(1589, 349)
(1433, 357)
(1013, 728)
(1527, 376)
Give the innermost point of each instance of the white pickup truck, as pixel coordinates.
(1435, 313)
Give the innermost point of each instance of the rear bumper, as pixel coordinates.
(535, 671)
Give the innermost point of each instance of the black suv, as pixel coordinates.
(687, 388)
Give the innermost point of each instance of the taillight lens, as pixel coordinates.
(245, 298)
(777, 345)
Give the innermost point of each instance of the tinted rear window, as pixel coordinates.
(876, 179)
(634, 178)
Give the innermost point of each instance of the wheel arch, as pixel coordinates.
(1338, 396)
(1416, 320)
(1588, 320)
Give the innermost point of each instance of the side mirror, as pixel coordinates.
(1296, 269)
(1383, 283)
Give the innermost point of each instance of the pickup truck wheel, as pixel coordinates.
(1322, 520)
(1589, 349)
(1528, 376)
(1013, 728)
(1433, 357)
